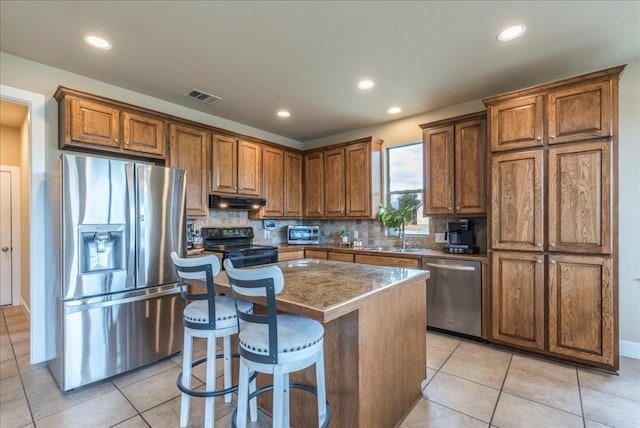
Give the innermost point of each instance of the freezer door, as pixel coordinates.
(107, 335)
(96, 232)
(161, 223)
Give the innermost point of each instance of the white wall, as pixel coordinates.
(629, 210)
(24, 74)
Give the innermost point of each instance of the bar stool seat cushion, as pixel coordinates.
(226, 316)
(295, 333)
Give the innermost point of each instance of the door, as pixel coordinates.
(160, 223)
(292, 184)
(518, 299)
(470, 161)
(579, 204)
(98, 255)
(249, 168)
(143, 134)
(516, 124)
(314, 184)
(6, 240)
(273, 176)
(94, 123)
(190, 152)
(438, 170)
(224, 165)
(358, 180)
(334, 184)
(582, 308)
(516, 193)
(580, 113)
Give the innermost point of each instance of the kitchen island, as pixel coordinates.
(374, 342)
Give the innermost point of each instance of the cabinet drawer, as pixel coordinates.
(290, 255)
(388, 261)
(315, 254)
(341, 257)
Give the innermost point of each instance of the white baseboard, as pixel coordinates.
(630, 349)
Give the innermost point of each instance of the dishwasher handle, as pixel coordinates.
(447, 267)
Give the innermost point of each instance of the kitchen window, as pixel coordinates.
(405, 184)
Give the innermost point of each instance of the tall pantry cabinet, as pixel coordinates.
(553, 227)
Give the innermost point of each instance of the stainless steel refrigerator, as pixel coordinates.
(116, 303)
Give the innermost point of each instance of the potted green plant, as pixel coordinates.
(344, 236)
(393, 220)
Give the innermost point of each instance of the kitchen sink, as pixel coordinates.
(410, 250)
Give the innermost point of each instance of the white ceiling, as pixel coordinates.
(307, 56)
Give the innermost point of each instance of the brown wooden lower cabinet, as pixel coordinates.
(582, 308)
(518, 299)
(580, 305)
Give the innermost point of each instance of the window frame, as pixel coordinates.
(389, 192)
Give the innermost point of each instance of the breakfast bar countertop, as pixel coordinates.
(324, 290)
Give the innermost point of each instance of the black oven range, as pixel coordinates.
(236, 244)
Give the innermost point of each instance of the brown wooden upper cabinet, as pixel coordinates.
(516, 124)
(454, 165)
(282, 184)
(189, 150)
(343, 181)
(314, 184)
(90, 123)
(580, 113)
(236, 166)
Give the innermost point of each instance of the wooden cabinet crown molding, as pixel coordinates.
(602, 75)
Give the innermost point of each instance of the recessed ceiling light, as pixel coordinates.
(366, 84)
(284, 113)
(394, 110)
(511, 33)
(97, 42)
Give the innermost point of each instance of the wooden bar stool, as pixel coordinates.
(207, 316)
(276, 344)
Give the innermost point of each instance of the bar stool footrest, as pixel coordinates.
(207, 394)
(266, 388)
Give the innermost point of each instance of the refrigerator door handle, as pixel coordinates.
(79, 306)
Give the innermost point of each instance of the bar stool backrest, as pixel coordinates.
(202, 268)
(258, 282)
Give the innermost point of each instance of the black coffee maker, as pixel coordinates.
(461, 237)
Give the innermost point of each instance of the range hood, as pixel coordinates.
(236, 203)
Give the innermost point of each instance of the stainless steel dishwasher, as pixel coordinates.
(454, 295)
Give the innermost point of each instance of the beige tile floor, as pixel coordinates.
(470, 385)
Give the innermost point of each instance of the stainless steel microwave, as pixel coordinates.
(303, 235)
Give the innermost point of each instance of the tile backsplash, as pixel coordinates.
(370, 231)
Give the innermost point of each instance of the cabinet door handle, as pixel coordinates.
(116, 140)
(553, 262)
(5, 249)
(449, 208)
(538, 244)
(457, 208)
(539, 138)
(552, 136)
(552, 244)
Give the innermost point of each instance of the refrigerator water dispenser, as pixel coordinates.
(102, 248)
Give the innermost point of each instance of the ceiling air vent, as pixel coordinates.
(202, 96)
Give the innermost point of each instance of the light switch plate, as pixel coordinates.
(440, 237)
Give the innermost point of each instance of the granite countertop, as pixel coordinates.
(325, 290)
(428, 253)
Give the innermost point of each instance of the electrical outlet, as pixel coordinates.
(440, 237)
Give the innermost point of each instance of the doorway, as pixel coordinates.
(34, 187)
